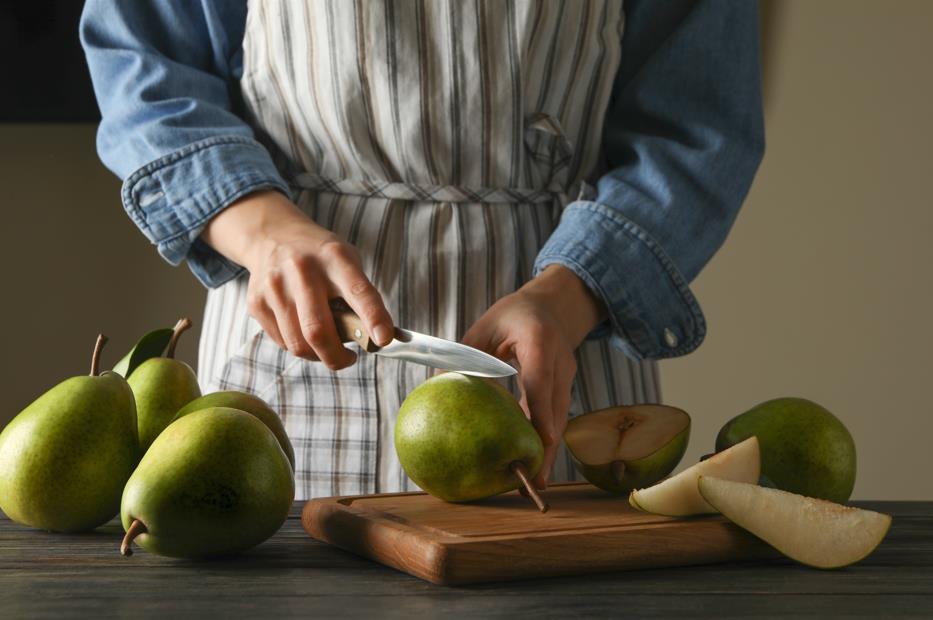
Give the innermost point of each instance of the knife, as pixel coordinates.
(419, 348)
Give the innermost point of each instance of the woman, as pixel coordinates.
(518, 175)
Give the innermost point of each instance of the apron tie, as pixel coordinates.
(415, 192)
(400, 190)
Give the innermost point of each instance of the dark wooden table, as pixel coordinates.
(54, 575)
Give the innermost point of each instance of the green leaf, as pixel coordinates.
(151, 345)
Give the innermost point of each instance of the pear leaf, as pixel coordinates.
(151, 345)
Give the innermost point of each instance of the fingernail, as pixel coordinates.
(382, 335)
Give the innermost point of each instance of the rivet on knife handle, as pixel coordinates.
(350, 326)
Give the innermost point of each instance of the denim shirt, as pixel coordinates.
(683, 138)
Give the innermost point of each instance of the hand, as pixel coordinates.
(295, 268)
(541, 325)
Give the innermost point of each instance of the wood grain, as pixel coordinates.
(44, 575)
(350, 326)
(504, 538)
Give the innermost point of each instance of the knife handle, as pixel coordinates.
(350, 326)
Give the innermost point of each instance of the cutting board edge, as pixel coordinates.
(464, 560)
(328, 521)
(725, 542)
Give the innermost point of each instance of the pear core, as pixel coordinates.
(622, 448)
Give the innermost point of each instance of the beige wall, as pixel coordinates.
(73, 264)
(823, 290)
(825, 287)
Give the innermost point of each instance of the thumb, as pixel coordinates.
(479, 335)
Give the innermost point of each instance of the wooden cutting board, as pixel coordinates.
(505, 537)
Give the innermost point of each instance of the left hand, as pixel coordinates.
(541, 325)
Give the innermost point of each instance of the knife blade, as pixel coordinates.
(419, 348)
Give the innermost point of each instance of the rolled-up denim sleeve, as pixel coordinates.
(683, 139)
(165, 76)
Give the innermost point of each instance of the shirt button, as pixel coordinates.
(670, 337)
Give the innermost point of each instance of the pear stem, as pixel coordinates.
(136, 528)
(95, 357)
(519, 469)
(183, 324)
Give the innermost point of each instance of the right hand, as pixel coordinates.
(295, 268)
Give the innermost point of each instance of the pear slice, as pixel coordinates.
(678, 496)
(622, 448)
(815, 532)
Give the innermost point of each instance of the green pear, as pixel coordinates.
(65, 458)
(214, 482)
(249, 404)
(624, 448)
(162, 386)
(805, 449)
(462, 438)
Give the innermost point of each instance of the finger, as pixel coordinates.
(482, 335)
(366, 301)
(563, 393)
(560, 406)
(316, 322)
(547, 464)
(537, 381)
(478, 335)
(537, 375)
(262, 313)
(286, 320)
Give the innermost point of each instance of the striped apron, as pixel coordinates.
(441, 138)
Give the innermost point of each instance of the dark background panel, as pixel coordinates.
(42, 67)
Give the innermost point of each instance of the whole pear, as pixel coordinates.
(805, 449)
(461, 438)
(249, 404)
(65, 458)
(162, 386)
(215, 482)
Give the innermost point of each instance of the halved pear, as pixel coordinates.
(815, 532)
(623, 448)
(678, 496)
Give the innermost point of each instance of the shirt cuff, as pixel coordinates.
(172, 198)
(652, 312)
